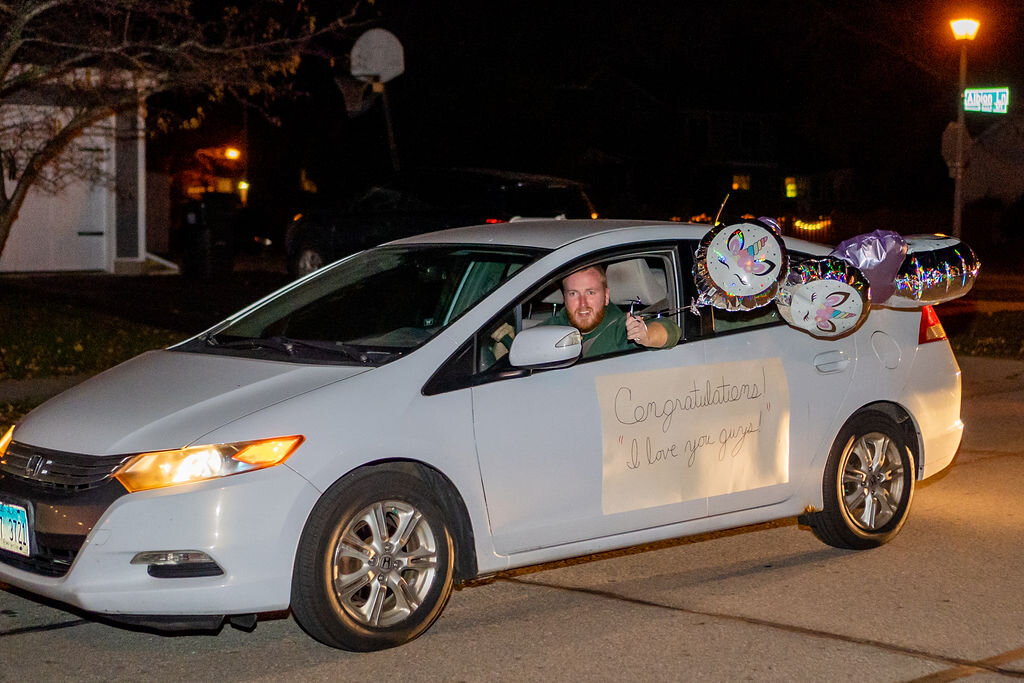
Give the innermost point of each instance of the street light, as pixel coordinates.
(964, 30)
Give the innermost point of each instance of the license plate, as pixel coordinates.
(14, 529)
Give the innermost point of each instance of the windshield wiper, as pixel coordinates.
(333, 347)
(275, 343)
(288, 346)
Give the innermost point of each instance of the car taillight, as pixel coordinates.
(931, 329)
(491, 221)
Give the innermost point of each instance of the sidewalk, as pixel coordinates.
(34, 390)
(984, 376)
(172, 301)
(992, 400)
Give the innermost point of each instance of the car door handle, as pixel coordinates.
(832, 361)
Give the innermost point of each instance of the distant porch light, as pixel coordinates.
(791, 188)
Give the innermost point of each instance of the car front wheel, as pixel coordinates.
(868, 485)
(375, 563)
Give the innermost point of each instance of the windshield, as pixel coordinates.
(371, 308)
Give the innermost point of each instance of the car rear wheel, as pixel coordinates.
(375, 563)
(868, 484)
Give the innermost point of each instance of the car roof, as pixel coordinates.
(554, 233)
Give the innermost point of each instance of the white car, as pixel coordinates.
(401, 421)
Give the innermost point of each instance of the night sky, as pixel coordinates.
(574, 88)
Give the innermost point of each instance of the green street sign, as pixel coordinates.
(987, 100)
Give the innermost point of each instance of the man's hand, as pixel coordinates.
(653, 335)
(502, 337)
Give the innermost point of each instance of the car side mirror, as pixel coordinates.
(546, 346)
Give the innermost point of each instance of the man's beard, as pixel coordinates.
(595, 320)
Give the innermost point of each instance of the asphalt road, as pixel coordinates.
(941, 602)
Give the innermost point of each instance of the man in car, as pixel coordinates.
(605, 327)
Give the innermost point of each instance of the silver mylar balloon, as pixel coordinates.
(739, 267)
(937, 268)
(826, 297)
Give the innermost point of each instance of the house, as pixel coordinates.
(97, 224)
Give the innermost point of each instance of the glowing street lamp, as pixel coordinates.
(964, 31)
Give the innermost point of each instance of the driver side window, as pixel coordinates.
(642, 282)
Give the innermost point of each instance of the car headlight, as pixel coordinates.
(198, 463)
(6, 441)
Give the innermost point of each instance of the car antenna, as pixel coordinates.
(722, 206)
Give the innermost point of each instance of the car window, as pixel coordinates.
(433, 191)
(454, 191)
(389, 199)
(388, 300)
(727, 321)
(479, 279)
(644, 282)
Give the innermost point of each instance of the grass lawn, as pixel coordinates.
(62, 339)
(48, 340)
(988, 334)
(12, 412)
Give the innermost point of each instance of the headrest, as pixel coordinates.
(554, 297)
(627, 280)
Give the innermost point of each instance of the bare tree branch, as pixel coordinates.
(68, 65)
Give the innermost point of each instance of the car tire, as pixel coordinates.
(868, 484)
(306, 258)
(375, 564)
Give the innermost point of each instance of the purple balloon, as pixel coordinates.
(771, 223)
(878, 255)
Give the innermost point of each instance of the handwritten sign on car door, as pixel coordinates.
(680, 434)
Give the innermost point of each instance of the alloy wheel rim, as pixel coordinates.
(872, 480)
(384, 563)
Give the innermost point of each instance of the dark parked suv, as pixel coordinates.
(423, 201)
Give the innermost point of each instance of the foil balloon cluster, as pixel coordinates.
(740, 267)
(746, 266)
(912, 271)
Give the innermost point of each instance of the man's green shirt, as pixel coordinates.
(610, 335)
